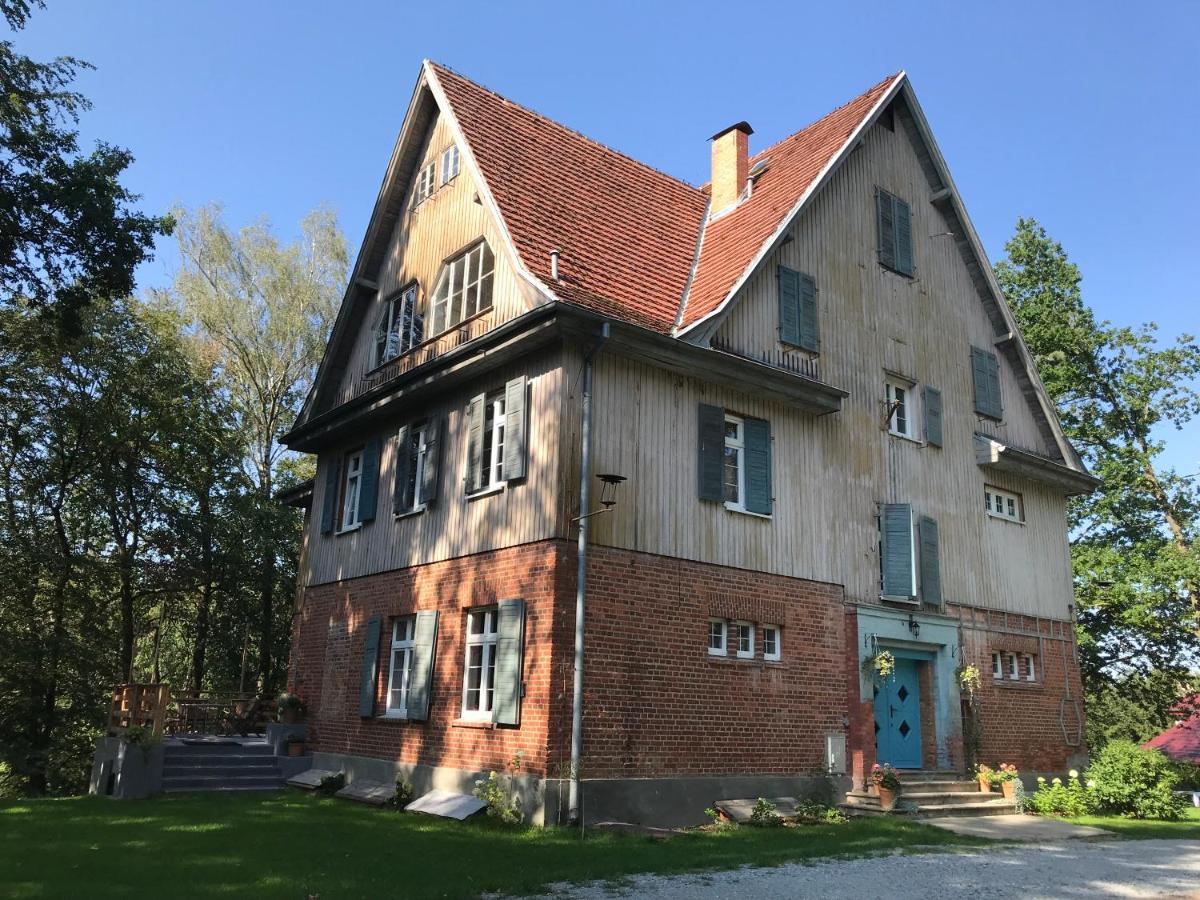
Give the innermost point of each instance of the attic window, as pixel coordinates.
(758, 168)
(464, 287)
(424, 186)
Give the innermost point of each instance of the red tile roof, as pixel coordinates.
(627, 232)
(1181, 741)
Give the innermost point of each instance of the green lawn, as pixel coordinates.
(1187, 828)
(295, 845)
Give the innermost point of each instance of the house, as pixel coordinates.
(1181, 742)
(833, 441)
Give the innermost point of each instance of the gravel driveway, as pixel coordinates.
(1071, 869)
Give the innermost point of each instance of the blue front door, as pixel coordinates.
(898, 717)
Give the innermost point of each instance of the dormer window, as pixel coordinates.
(400, 326)
(464, 288)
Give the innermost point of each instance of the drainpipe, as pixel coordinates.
(585, 476)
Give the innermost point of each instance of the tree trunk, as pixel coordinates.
(267, 579)
(204, 607)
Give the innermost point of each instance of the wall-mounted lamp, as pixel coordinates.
(608, 495)
(914, 627)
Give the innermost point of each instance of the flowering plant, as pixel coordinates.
(985, 773)
(969, 680)
(1006, 772)
(881, 664)
(885, 777)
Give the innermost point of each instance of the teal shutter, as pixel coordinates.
(712, 452)
(885, 216)
(789, 305)
(931, 573)
(896, 550)
(401, 501)
(432, 473)
(810, 334)
(510, 634)
(985, 373)
(329, 502)
(420, 684)
(515, 419)
(370, 669)
(933, 416)
(758, 466)
(368, 493)
(904, 255)
(475, 411)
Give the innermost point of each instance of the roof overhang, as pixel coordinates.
(996, 456)
(298, 495)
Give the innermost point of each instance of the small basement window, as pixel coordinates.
(1029, 663)
(745, 639)
(716, 637)
(771, 648)
(997, 664)
(1014, 670)
(1003, 504)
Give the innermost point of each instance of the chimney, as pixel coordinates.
(730, 165)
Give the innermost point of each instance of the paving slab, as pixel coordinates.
(447, 804)
(1017, 828)
(740, 810)
(364, 790)
(310, 778)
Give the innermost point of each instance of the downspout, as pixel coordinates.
(585, 476)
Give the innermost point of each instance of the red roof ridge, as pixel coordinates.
(444, 69)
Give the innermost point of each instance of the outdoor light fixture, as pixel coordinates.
(914, 626)
(608, 495)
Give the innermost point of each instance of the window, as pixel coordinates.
(400, 326)
(900, 408)
(1014, 672)
(735, 469)
(745, 640)
(491, 458)
(400, 667)
(771, 650)
(416, 441)
(894, 220)
(464, 288)
(479, 676)
(716, 637)
(997, 664)
(1029, 666)
(351, 490)
(424, 186)
(449, 163)
(1003, 504)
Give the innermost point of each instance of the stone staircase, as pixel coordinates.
(929, 794)
(238, 765)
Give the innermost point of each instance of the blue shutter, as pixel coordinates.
(368, 493)
(810, 334)
(401, 501)
(510, 634)
(904, 255)
(712, 452)
(370, 669)
(885, 216)
(896, 550)
(933, 416)
(985, 374)
(931, 573)
(789, 305)
(329, 502)
(420, 684)
(758, 466)
(432, 473)
(515, 433)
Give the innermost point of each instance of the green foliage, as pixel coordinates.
(289, 701)
(1128, 781)
(1054, 798)
(500, 793)
(763, 814)
(885, 777)
(331, 784)
(1134, 706)
(403, 794)
(141, 736)
(811, 812)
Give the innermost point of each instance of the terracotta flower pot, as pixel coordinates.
(295, 748)
(887, 798)
(985, 784)
(1010, 789)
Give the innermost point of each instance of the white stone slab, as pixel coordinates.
(310, 779)
(1017, 828)
(447, 804)
(377, 793)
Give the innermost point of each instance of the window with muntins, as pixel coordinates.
(745, 640)
(997, 664)
(479, 675)
(1002, 504)
(424, 186)
(400, 326)
(464, 288)
(491, 459)
(1029, 667)
(771, 648)
(417, 447)
(716, 637)
(449, 164)
(352, 490)
(400, 666)
(900, 409)
(735, 468)
(1014, 669)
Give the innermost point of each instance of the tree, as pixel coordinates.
(1116, 388)
(262, 310)
(68, 232)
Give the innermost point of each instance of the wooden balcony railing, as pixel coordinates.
(427, 351)
(796, 362)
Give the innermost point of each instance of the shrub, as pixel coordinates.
(1054, 798)
(1129, 781)
(404, 793)
(501, 799)
(814, 813)
(331, 784)
(763, 814)
(141, 736)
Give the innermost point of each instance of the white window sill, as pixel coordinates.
(735, 508)
(992, 515)
(487, 491)
(394, 716)
(474, 722)
(409, 513)
(906, 437)
(350, 529)
(717, 654)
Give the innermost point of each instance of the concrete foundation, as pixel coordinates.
(125, 771)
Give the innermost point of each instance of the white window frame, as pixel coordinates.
(718, 628)
(486, 639)
(1007, 505)
(449, 164)
(417, 439)
(745, 639)
(1029, 665)
(352, 472)
(424, 187)
(997, 664)
(491, 448)
(1014, 667)
(735, 445)
(772, 634)
(899, 397)
(402, 644)
(392, 338)
(463, 288)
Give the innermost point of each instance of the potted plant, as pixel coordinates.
(295, 745)
(986, 776)
(887, 785)
(1007, 776)
(291, 707)
(880, 665)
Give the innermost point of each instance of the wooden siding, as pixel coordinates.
(425, 236)
(456, 525)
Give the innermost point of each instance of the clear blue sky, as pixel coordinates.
(1079, 114)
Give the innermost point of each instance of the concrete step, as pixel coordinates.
(922, 797)
(222, 783)
(214, 759)
(248, 748)
(267, 771)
